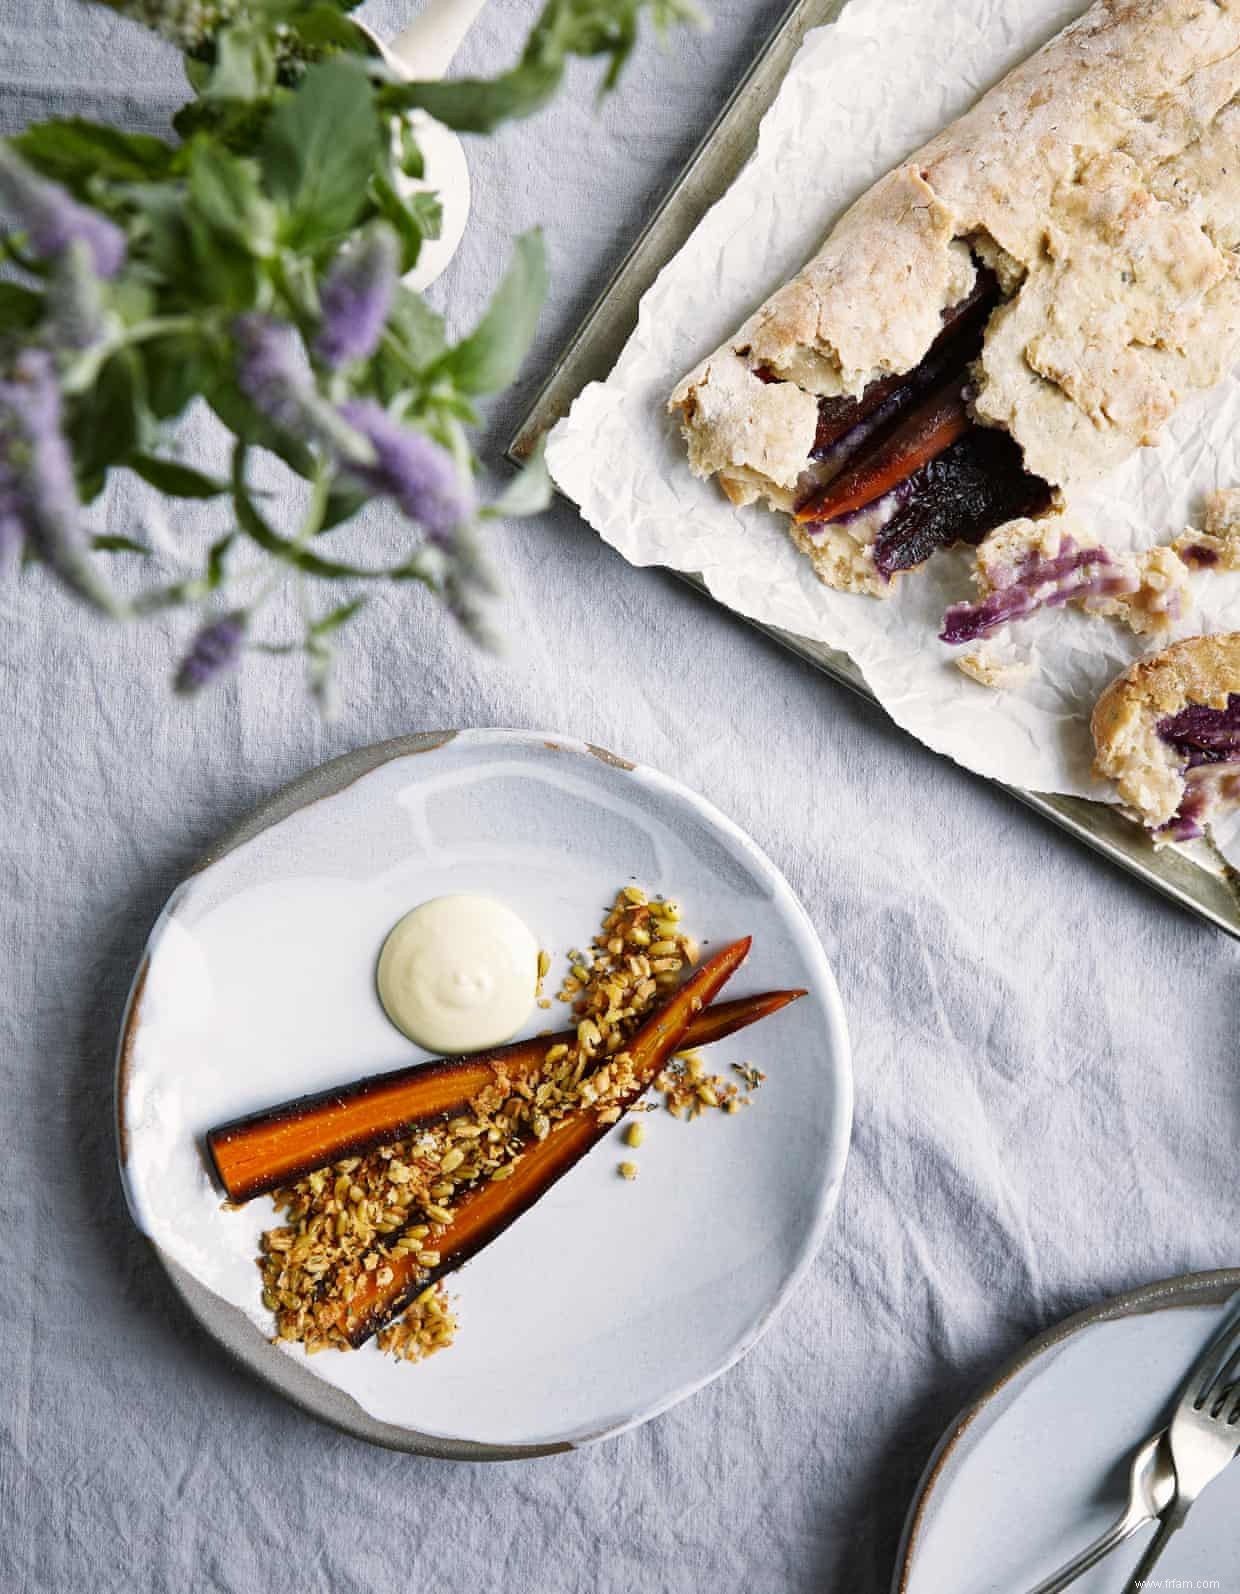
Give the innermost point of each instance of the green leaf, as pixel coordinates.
(20, 308)
(106, 420)
(418, 328)
(89, 487)
(322, 27)
(426, 209)
(443, 403)
(224, 273)
(178, 368)
(282, 548)
(175, 479)
(480, 105)
(342, 504)
(528, 493)
(321, 146)
(199, 264)
(132, 300)
(197, 73)
(338, 617)
(489, 358)
(73, 151)
(238, 125)
(226, 191)
(245, 64)
(240, 417)
(413, 340)
(416, 217)
(411, 161)
(606, 28)
(217, 558)
(111, 544)
(288, 552)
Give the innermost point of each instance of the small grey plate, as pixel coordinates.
(1190, 875)
(1036, 1466)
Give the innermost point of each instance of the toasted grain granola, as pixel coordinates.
(688, 1089)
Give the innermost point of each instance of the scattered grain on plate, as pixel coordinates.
(628, 1170)
(425, 1327)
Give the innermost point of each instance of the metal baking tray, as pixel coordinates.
(1191, 875)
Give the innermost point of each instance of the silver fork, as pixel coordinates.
(1204, 1435)
(1151, 1488)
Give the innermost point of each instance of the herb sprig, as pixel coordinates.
(254, 263)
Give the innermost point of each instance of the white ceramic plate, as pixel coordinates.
(609, 1301)
(1038, 1466)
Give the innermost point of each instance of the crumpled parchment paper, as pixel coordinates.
(861, 94)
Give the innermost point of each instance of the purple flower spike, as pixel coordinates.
(78, 318)
(37, 487)
(357, 297)
(214, 651)
(420, 475)
(271, 368)
(52, 219)
(12, 532)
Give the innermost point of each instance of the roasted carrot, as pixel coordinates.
(939, 421)
(268, 1149)
(488, 1209)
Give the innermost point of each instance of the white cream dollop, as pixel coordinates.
(458, 974)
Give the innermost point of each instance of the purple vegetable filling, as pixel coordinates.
(1204, 738)
(1196, 553)
(959, 496)
(1189, 821)
(1037, 583)
(1204, 735)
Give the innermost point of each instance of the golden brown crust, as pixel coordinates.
(1201, 669)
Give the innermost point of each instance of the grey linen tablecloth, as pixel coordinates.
(1047, 1088)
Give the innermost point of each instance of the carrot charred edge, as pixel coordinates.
(488, 1209)
(265, 1150)
(938, 422)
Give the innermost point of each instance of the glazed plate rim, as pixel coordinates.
(1207, 1288)
(241, 1339)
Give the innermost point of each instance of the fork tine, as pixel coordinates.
(1225, 1351)
(1225, 1389)
(1221, 1399)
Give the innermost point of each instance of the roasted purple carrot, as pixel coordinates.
(378, 1294)
(268, 1149)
